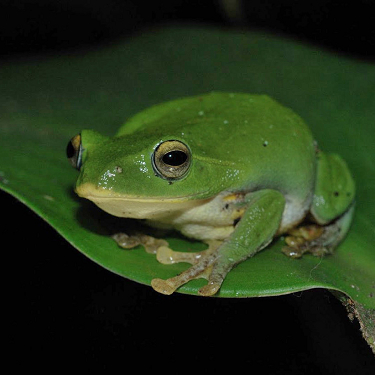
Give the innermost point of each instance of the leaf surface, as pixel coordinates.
(45, 101)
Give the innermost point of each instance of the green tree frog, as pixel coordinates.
(231, 170)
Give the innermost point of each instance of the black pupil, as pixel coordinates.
(174, 158)
(70, 151)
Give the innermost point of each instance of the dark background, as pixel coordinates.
(65, 312)
(29, 26)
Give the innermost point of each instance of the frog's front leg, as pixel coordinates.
(201, 262)
(254, 231)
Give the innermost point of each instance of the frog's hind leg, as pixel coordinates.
(318, 239)
(332, 209)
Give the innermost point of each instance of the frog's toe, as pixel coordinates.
(210, 289)
(201, 269)
(292, 252)
(151, 244)
(126, 241)
(168, 286)
(307, 239)
(205, 264)
(166, 255)
(208, 268)
(164, 286)
(316, 239)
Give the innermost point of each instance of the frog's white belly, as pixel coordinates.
(213, 220)
(217, 218)
(205, 219)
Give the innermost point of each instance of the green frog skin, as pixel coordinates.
(232, 170)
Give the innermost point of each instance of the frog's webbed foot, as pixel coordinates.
(204, 265)
(317, 239)
(305, 239)
(202, 262)
(151, 244)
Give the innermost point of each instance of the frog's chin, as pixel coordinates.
(134, 207)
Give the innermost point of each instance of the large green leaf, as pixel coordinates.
(45, 101)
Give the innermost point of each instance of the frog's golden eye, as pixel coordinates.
(171, 160)
(74, 151)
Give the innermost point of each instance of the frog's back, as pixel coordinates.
(267, 142)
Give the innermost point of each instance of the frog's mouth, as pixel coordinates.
(138, 207)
